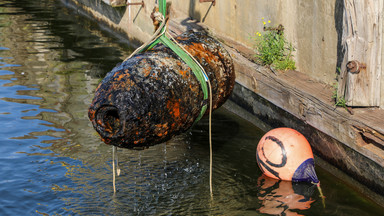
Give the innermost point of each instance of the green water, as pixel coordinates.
(53, 162)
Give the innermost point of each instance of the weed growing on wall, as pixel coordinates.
(339, 100)
(273, 49)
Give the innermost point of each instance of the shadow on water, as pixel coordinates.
(53, 162)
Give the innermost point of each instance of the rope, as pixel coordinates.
(158, 33)
(320, 192)
(210, 139)
(113, 169)
(114, 153)
(210, 111)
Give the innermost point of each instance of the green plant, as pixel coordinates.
(287, 63)
(273, 49)
(339, 100)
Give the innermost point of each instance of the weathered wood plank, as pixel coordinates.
(362, 38)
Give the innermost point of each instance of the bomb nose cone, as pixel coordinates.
(110, 123)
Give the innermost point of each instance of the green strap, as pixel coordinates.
(163, 7)
(192, 64)
(185, 57)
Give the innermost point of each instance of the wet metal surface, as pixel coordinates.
(154, 96)
(52, 161)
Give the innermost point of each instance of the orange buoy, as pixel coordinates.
(284, 153)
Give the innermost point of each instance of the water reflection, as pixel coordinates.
(50, 66)
(284, 197)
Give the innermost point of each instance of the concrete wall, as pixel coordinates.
(309, 26)
(314, 27)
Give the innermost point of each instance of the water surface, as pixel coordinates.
(53, 162)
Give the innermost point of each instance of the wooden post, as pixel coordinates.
(362, 37)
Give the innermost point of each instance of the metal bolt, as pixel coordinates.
(354, 66)
(136, 3)
(213, 1)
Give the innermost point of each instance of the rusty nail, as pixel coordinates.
(354, 66)
(136, 3)
(213, 1)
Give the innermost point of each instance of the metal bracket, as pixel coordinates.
(136, 3)
(213, 1)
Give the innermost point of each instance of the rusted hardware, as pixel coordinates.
(136, 3)
(154, 95)
(213, 1)
(279, 29)
(354, 66)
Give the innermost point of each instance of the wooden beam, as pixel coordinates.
(362, 38)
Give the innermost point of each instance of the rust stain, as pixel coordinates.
(161, 129)
(139, 141)
(185, 116)
(98, 87)
(183, 73)
(161, 126)
(108, 128)
(92, 114)
(127, 84)
(161, 134)
(120, 77)
(106, 141)
(180, 38)
(174, 108)
(146, 71)
(220, 55)
(198, 50)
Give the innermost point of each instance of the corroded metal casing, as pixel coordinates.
(154, 95)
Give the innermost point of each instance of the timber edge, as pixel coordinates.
(352, 144)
